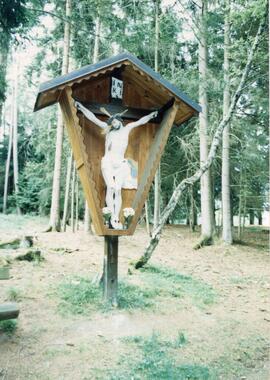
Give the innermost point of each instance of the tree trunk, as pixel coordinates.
(97, 40)
(260, 218)
(157, 175)
(240, 204)
(3, 69)
(87, 218)
(207, 212)
(226, 198)
(156, 198)
(77, 203)
(55, 203)
(192, 210)
(244, 210)
(251, 217)
(68, 179)
(8, 162)
(147, 218)
(15, 138)
(212, 153)
(73, 196)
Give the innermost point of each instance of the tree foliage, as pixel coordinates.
(129, 25)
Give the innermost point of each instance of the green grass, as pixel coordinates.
(135, 297)
(8, 326)
(174, 284)
(140, 341)
(156, 361)
(80, 296)
(14, 294)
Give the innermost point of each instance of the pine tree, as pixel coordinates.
(54, 224)
(226, 198)
(207, 219)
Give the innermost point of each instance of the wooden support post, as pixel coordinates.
(110, 275)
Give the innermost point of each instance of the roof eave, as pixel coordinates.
(90, 69)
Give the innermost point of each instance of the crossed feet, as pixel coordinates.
(116, 224)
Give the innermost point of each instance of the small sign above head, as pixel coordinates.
(117, 88)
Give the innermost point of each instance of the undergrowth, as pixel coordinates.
(8, 326)
(156, 361)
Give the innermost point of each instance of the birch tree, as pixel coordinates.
(156, 234)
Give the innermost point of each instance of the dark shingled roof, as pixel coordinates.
(89, 69)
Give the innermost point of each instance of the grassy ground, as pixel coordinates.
(187, 315)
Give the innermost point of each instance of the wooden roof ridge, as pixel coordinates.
(79, 74)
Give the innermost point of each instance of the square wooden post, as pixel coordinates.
(110, 274)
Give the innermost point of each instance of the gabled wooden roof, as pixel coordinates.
(49, 92)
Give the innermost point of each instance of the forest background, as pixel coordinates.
(200, 46)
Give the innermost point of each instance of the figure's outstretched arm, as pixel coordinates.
(90, 116)
(142, 120)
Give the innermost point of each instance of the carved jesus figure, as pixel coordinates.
(118, 172)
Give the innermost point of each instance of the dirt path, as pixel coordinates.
(229, 333)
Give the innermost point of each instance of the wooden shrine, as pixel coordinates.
(119, 85)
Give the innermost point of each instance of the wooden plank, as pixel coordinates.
(80, 155)
(110, 275)
(154, 157)
(184, 118)
(9, 311)
(94, 142)
(153, 96)
(79, 164)
(157, 97)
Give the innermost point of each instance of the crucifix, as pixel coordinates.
(118, 172)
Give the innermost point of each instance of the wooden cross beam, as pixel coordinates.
(131, 113)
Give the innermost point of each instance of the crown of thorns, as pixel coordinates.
(117, 116)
